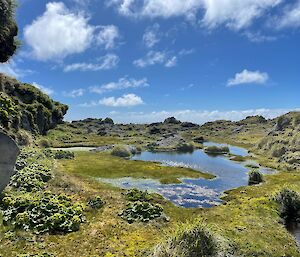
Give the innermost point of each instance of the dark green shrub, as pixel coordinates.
(96, 202)
(191, 240)
(255, 177)
(185, 147)
(289, 202)
(42, 212)
(59, 154)
(134, 195)
(141, 211)
(121, 151)
(44, 143)
(32, 178)
(216, 150)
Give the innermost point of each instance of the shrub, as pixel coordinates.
(121, 151)
(185, 147)
(278, 150)
(190, 240)
(141, 211)
(255, 177)
(216, 149)
(44, 143)
(134, 195)
(289, 202)
(96, 202)
(42, 212)
(32, 178)
(60, 154)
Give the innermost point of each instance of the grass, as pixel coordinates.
(103, 165)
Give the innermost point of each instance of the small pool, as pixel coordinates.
(193, 193)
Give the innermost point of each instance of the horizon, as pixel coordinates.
(142, 63)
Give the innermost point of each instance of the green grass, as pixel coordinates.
(103, 165)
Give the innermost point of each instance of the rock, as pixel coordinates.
(172, 120)
(9, 152)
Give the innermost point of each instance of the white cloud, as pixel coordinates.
(156, 57)
(60, 32)
(108, 36)
(171, 62)
(198, 116)
(127, 100)
(235, 14)
(258, 37)
(290, 17)
(106, 62)
(151, 36)
(248, 77)
(122, 83)
(75, 93)
(46, 90)
(123, 101)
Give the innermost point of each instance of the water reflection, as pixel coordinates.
(194, 192)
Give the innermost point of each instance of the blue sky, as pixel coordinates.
(145, 60)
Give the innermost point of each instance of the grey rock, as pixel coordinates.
(8, 156)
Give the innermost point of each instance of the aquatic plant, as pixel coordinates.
(190, 240)
(255, 177)
(141, 211)
(289, 202)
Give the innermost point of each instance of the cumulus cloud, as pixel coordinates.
(46, 90)
(249, 77)
(127, 100)
(122, 83)
(60, 32)
(198, 116)
(151, 36)
(106, 62)
(75, 93)
(235, 14)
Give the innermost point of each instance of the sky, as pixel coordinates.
(142, 61)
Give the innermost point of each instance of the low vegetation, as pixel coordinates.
(216, 150)
(185, 147)
(289, 202)
(255, 177)
(121, 151)
(134, 195)
(190, 240)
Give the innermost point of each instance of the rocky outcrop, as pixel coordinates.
(9, 152)
(23, 106)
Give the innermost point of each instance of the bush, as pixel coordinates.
(43, 212)
(121, 151)
(255, 177)
(216, 149)
(185, 147)
(289, 201)
(191, 240)
(60, 154)
(96, 202)
(134, 195)
(141, 211)
(278, 150)
(32, 178)
(44, 143)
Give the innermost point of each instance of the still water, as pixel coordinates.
(193, 193)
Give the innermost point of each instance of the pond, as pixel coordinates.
(193, 193)
(294, 228)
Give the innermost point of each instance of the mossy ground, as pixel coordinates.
(103, 165)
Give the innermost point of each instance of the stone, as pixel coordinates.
(8, 156)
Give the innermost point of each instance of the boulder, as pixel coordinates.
(9, 152)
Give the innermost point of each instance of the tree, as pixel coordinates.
(8, 29)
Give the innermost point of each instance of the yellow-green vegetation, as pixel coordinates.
(103, 165)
